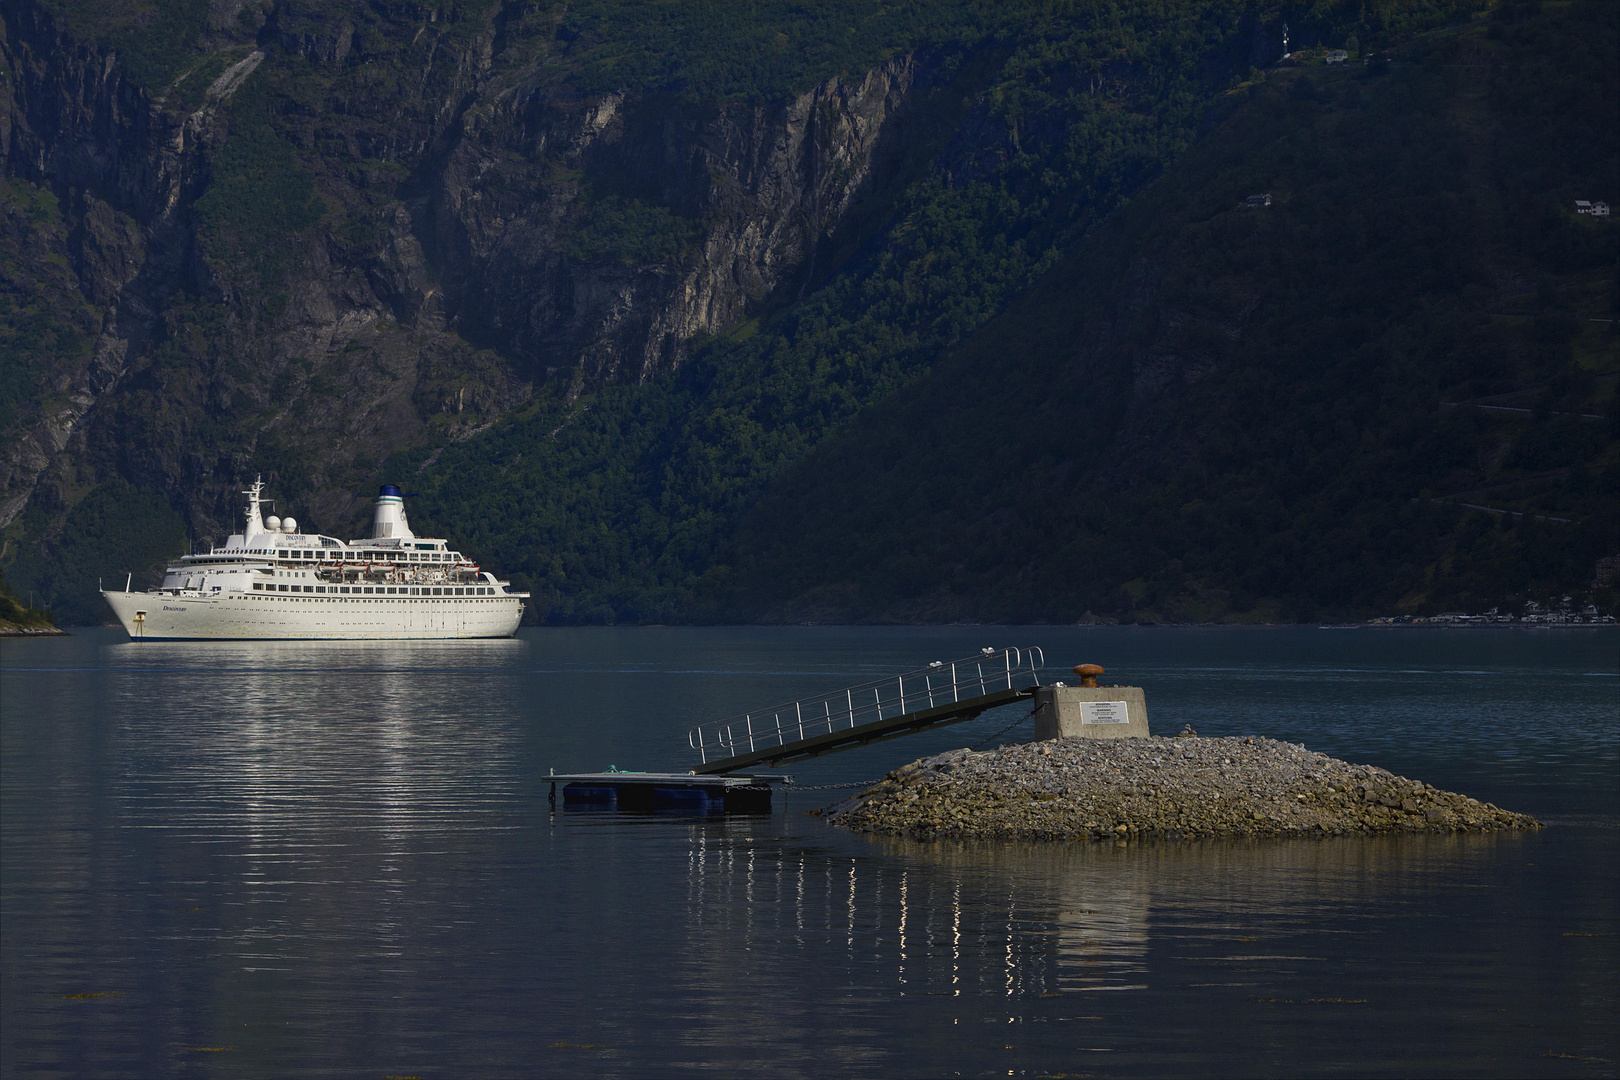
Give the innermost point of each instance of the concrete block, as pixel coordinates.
(1090, 712)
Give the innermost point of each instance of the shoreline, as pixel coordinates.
(14, 630)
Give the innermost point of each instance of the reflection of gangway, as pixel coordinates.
(942, 693)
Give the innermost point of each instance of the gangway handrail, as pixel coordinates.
(940, 683)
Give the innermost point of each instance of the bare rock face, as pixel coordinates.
(124, 171)
(760, 186)
(1184, 787)
(484, 231)
(110, 249)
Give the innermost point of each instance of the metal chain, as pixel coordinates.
(830, 787)
(1004, 730)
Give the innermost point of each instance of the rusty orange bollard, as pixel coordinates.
(1088, 673)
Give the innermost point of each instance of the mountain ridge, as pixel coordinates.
(1209, 501)
(598, 301)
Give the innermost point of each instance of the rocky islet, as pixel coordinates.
(1181, 787)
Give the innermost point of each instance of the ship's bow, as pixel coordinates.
(131, 609)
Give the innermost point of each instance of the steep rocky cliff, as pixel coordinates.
(743, 194)
(593, 278)
(340, 233)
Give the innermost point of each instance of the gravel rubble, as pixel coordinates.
(1185, 787)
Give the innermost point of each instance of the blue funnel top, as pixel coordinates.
(389, 489)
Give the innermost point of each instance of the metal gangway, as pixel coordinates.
(939, 694)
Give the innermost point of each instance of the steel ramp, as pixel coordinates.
(935, 696)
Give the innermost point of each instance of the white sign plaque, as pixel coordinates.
(1104, 712)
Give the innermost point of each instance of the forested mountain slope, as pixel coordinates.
(298, 238)
(612, 503)
(633, 294)
(1209, 412)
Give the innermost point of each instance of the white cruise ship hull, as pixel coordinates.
(240, 616)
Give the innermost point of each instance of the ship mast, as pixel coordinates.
(255, 524)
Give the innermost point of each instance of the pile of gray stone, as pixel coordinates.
(1186, 787)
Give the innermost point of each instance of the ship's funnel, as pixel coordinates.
(390, 523)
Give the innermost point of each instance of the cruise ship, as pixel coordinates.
(273, 582)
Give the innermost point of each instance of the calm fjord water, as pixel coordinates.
(339, 860)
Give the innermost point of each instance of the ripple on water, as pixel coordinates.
(342, 860)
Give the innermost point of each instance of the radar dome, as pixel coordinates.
(273, 523)
(289, 525)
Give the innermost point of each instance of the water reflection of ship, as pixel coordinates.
(299, 748)
(378, 728)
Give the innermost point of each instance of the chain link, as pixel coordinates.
(830, 787)
(1004, 730)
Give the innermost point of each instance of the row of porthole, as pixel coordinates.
(402, 590)
(364, 557)
(357, 599)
